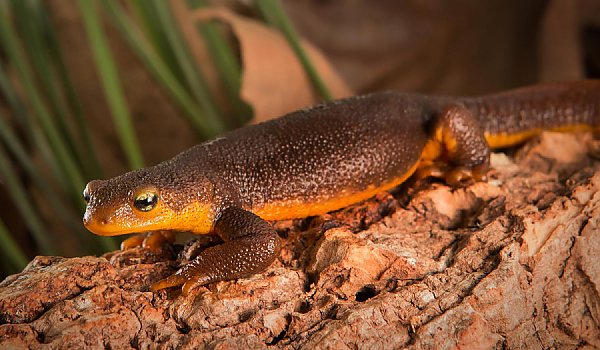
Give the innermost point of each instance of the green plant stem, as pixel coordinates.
(191, 109)
(110, 83)
(229, 69)
(226, 64)
(276, 17)
(90, 160)
(34, 136)
(11, 250)
(66, 214)
(148, 20)
(8, 39)
(24, 160)
(19, 196)
(37, 50)
(192, 76)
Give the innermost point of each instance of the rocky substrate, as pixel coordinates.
(509, 263)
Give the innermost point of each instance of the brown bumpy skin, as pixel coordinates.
(320, 159)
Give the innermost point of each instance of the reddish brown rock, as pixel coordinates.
(510, 263)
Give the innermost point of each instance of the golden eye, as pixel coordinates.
(146, 201)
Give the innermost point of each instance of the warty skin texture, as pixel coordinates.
(323, 158)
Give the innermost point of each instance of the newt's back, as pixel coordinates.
(316, 154)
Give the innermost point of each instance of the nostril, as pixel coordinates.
(87, 218)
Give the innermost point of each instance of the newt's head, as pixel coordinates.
(149, 199)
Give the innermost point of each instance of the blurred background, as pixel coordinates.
(90, 89)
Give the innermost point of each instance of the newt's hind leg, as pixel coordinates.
(463, 154)
(250, 246)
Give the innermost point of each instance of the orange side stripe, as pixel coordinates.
(293, 209)
(501, 140)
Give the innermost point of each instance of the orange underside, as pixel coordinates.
(507, 140)
(293, 209)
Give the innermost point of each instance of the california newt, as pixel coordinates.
(321, 159)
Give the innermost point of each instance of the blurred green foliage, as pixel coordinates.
(44, 113)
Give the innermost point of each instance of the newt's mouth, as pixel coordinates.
(196, 218)
(103, 227)
(108, 222)
(106, 230)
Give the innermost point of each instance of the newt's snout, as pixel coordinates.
(89, 219)
(92, 223)
(92, 220)
(97, 212)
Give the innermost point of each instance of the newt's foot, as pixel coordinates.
(154, 241)
(171, 281)
(183, 279)
(435, 169)
(174, 281)
(189, 276)
(462, 175)
(455, 176)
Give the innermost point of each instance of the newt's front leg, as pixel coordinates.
(250, 246)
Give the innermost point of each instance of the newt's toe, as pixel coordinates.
(462, 175)
(186, 283)
(133, 242)
(171, 281)
(458, 176)
(188, 286)
(435, 169)
(154, 241)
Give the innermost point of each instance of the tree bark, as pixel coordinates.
(507, 263)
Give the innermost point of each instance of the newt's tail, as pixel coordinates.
(511, 117)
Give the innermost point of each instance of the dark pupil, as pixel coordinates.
(146, 202)
(86, 197)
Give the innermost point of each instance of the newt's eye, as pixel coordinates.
(146, 201)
